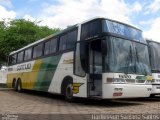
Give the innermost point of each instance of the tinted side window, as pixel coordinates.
(91, 29)
(13, 59)
(37, 50)
(50, 46)
(84, 31)
(53, 45)
(46, 47)
(28, 54)
(62, 44)
(94, 28)
(71, 39)
(20, 56)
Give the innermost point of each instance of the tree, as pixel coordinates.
(2, 36)
(19, 33)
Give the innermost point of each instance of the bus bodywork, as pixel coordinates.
(154, 55)
(109, 60)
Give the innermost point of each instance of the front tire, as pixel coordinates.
(19, 86)
(68, 93)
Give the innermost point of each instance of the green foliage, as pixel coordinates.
(18, 33)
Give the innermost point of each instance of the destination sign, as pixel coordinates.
(124, 30)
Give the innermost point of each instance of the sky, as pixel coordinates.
(144, 14)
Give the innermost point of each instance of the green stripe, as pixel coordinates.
(46, 72)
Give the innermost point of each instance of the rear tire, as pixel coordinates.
(68, 93)
(19, 86)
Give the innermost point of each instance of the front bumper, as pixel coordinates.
(155, 89)
(111, 91)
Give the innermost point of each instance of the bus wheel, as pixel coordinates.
(68, 93)
(19, 86)
(14, 85)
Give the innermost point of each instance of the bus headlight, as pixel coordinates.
(115, 80)
(155, 81)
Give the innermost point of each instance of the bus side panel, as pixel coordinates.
(27, 75)
(38, 77)
(46, 73)
(65, 68)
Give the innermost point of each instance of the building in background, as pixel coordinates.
(3, 74)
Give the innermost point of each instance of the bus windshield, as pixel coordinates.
(154, 56)
(126, 56)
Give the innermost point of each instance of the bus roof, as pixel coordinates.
(150, 40)
(67, 29)
(109, 20)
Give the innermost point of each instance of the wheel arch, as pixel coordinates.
(13, 82)
(67, 79)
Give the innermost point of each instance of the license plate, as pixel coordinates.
(117, 94)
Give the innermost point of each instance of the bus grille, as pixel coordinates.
(130, 80)
(140, 81)
(134, 81)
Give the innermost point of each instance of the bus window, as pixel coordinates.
(84, 31)
(28, 54)
(46, 47)
(20, 56)
(62, 44)
(13, 59)
(53, 45)
(90, 30)
(71, 39)
(37, 50)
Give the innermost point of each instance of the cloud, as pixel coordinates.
(30, 18)
(4, 14)
(147, 22)
(154, 31)
(154, 7)
(6, 3)
(136, 7)
(70, 12)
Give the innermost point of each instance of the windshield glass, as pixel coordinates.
(142, 59)
(121, 56)
(154, 52)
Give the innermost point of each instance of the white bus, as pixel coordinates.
(99, 58)
(154, 55)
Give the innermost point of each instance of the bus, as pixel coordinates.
(154, 55)
(99, 58)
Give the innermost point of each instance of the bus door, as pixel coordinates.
(94, 69)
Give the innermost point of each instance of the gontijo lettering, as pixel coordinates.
(24, 67)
